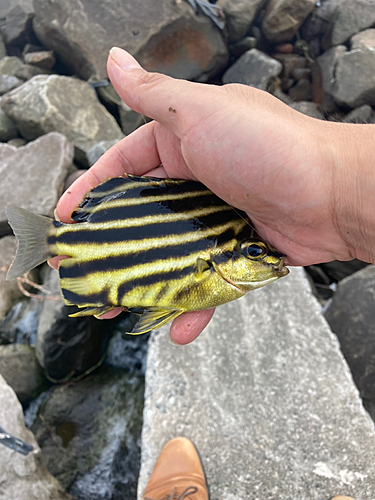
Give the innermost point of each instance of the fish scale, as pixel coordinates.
(164, 246)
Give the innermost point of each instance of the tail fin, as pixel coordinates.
(31, 232)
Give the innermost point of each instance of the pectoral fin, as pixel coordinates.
(154, 318)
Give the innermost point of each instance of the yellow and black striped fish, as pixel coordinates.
(162, 246)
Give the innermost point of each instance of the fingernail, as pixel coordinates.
(123, 58)
(173, 343)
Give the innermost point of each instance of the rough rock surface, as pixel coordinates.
(254, 68)
(239, 16)
(8, 129)
(268, 399)
(91, 438)
(8, 83)
(9, 291)
(350, 18)
(164, 36)
(351, 316)
(17, 28)
(44, 59)
(48, 158)
(363, 40)
(328, 64)
(20, 369)
(63, 104)
(23, 477)
(10, 65)
(284, 17)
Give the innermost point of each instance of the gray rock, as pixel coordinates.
(9, 291)
(90, 439)
(239, 16)
(8, 83)
(98, 150)
(354, 92)
(164, 36)
(20, 369)
(23, 477)
(9, 65)
(328, 65)
(17, 142)
(326, 9)
(247, 43)
(301, 91)
(27, 71)
(268, 399)
(284, 17)
(43, 59)
(21, 323)
(63, 104)
(48, 158)
(350, 18)
(363, 40)
(3, 51)
(351, 316)
(307, 108)
(8, 129)
(362, 114)
(17, 29)
(130, 120)
(253, 68)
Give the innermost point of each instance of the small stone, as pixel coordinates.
(301, 91)
(362, 114)
(8, 129)
(243, 45)
(17, 142)
(363, 40)
(8, 83)
(253, 68)
(239, 16)
(20, 369)
(350, 18)
(48, 158)
(3, 51)
(23, 477)
(301, 73)
(9, 291)
(44, 59)
(284, 48)
(9, 65)
(27, 71)
(307, 108)
(328, 64)
(284, 17)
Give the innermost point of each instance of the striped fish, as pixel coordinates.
(158, 247)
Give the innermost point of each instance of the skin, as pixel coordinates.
(307, 185)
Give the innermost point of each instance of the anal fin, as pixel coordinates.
(154, 318)
(92, 311)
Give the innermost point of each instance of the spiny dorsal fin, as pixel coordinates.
(154, 318)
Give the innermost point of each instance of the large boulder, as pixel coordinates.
(164, 36)
(33, 175)
(62, 104)
(23, 477)
(350, 18)
(268, 399)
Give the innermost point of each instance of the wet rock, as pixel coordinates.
(8, 82)
(8, 129)
(21, 370)
(253, 68)
(284, 17)
(307, 108)
(17, 29)
(164, 36)
(267, 398)
(98, 150)
(351, 316)
(362, 114)
(48, 158)
(23, 477)
(21, 323)
(90, 435)
(43, 59)
(9, 291)
(68, 347)
(63, 104)
(239, 16)
(9, 65)
(353, 92)
(350, 18)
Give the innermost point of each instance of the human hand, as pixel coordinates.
(281, 167)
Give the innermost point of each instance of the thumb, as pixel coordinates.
(157, 96)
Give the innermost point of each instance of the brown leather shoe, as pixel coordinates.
(178, 474)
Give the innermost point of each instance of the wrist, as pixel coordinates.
(353, 187)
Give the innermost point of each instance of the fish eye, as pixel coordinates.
(254, 251)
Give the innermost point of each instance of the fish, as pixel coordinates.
(155, 247)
